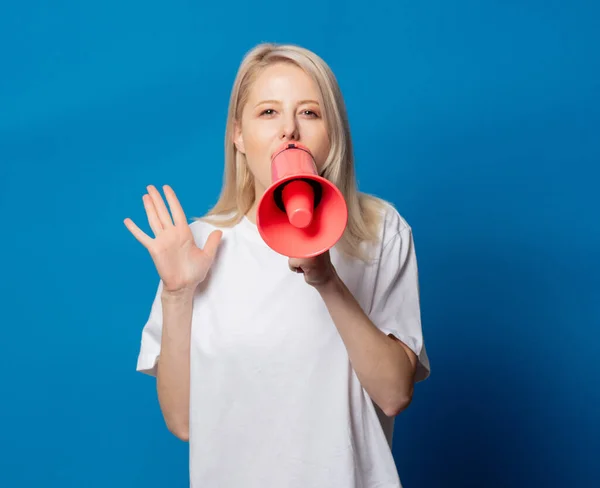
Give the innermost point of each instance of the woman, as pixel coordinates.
(283, 372)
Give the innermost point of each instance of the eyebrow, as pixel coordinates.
(301, 102)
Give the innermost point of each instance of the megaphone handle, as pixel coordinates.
(278, 193)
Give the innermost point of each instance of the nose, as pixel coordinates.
(289, 129)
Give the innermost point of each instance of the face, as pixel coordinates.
(282, 106)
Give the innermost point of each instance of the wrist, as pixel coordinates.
(333, 285)
(181, 295)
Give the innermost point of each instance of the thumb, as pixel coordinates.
(212, 243)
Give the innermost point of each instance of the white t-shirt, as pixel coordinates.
(274, 401)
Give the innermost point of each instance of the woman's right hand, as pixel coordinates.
(181, 264)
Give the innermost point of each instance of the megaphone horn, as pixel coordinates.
(301, 214)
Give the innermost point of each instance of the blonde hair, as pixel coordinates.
(238, 194)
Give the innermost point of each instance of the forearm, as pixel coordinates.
(173, 376)
(381, 363)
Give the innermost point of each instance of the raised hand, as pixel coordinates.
(180, 263)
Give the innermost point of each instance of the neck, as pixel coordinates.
(251, 214)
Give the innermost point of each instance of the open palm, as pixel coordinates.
(180, 263)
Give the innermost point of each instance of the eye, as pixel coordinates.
(309, 113)
(268, 111)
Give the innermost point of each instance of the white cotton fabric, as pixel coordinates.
(274, 401)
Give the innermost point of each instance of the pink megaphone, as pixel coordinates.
(301, 214)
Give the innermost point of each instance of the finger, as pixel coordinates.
(153, 219)
(212, 243)
(176, 209)
(138, 233)
(295, 265)
(161, 208)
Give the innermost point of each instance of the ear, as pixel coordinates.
(238, 140)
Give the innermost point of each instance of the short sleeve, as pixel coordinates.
(396, 302)
(151, 337)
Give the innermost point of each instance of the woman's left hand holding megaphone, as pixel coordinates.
(318, 271)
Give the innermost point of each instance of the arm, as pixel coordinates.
(173, 372)
(384, 365)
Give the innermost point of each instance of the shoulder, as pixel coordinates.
(393, 225)
(202, 227)
(395, 245)
(378, 225)
(388, 221)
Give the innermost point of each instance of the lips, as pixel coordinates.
(284, 146)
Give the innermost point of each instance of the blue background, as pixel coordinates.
(479, 120)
